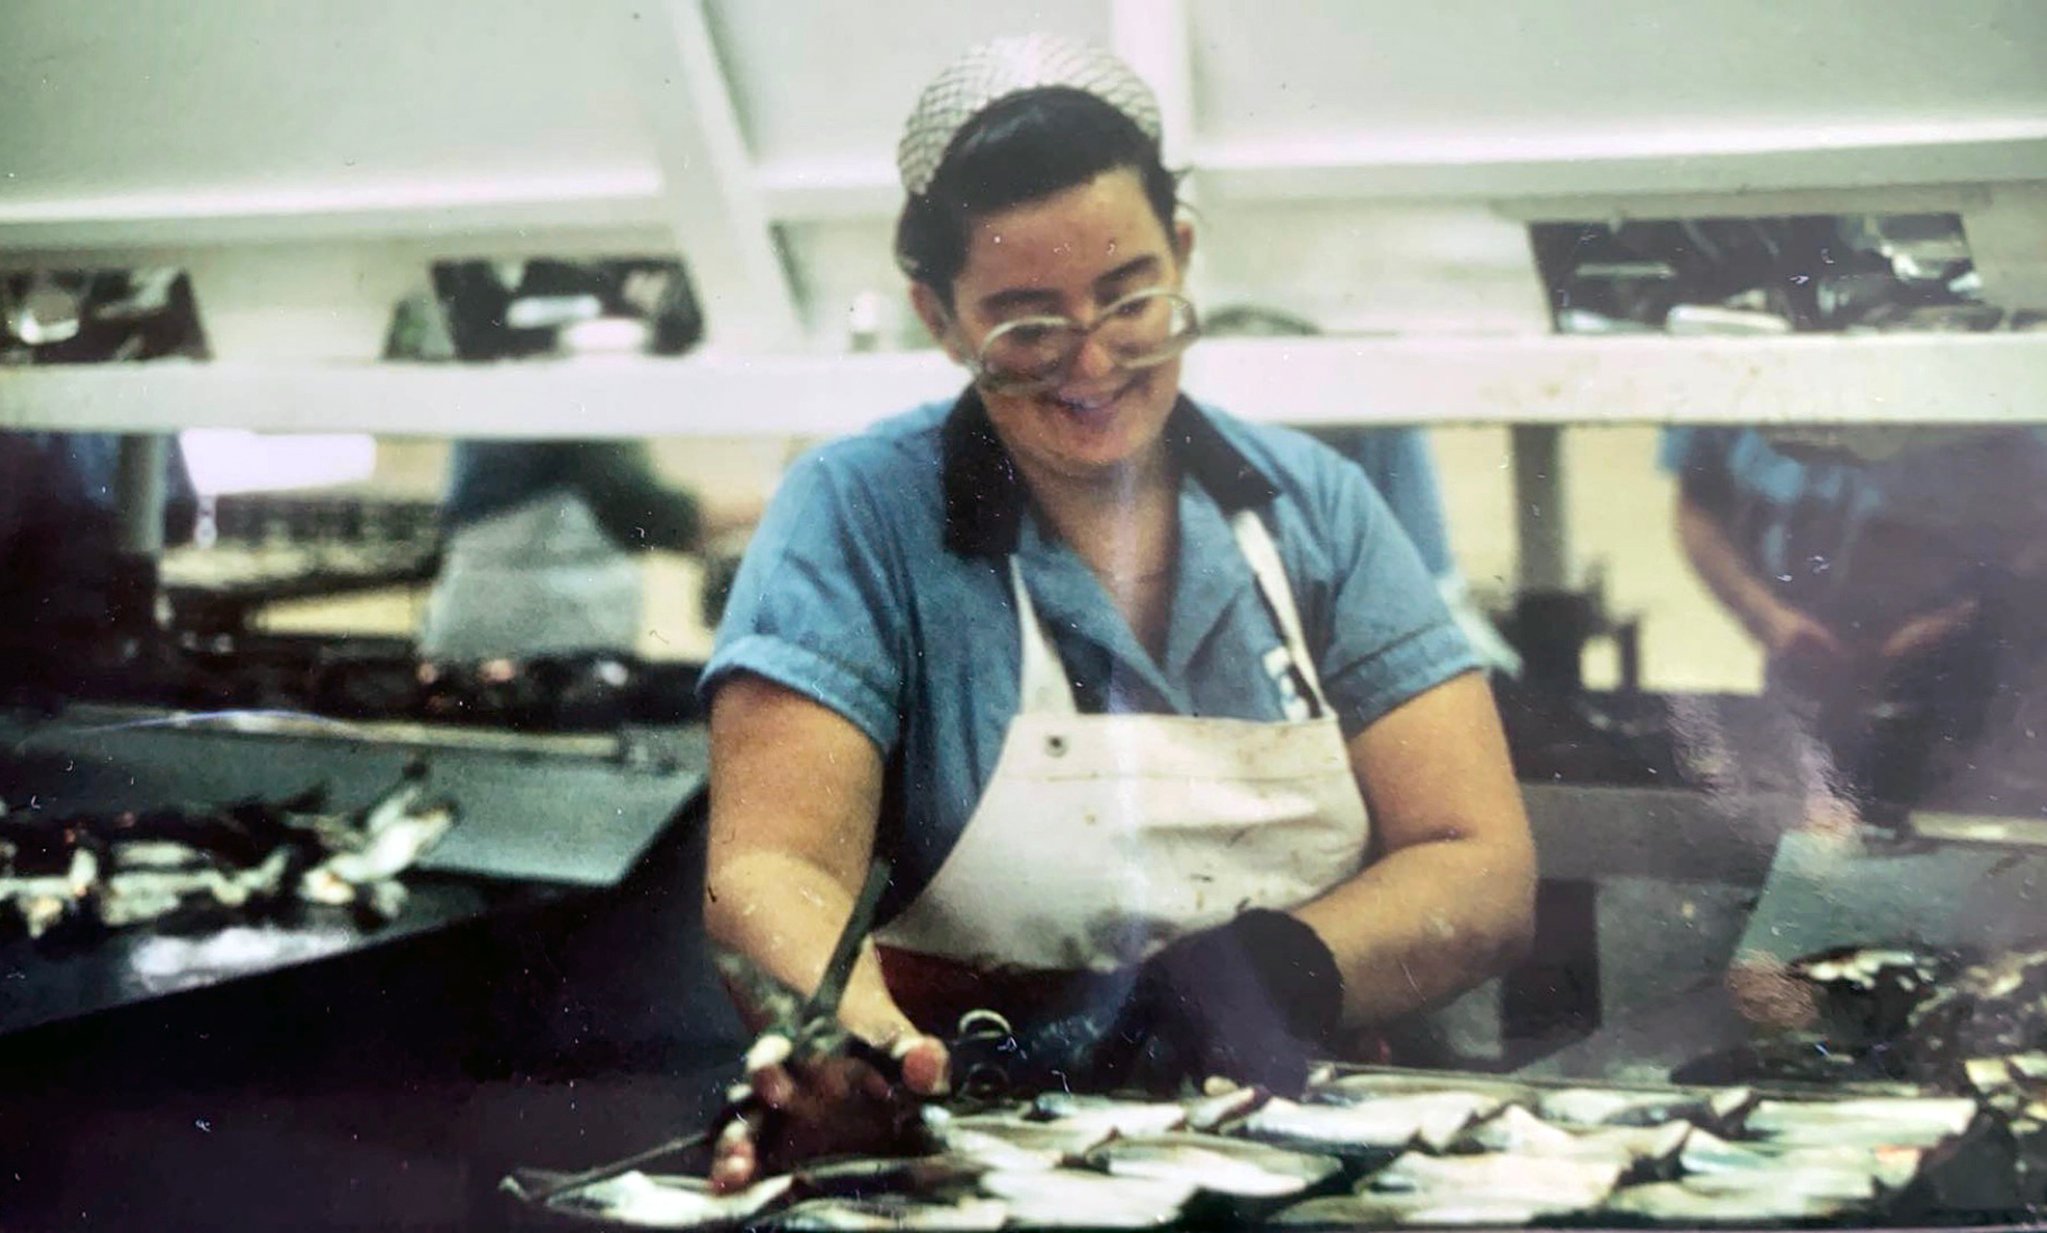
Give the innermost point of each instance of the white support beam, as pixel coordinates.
(462, 206)
(1155, 37)
(1858, 379)
(720, 220)
(1618, 166)
(1760, 172)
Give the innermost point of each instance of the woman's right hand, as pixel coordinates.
(827, 1106)
(1807, 649)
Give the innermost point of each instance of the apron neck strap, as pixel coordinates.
(1045, 688)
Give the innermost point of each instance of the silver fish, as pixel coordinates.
(1390, 1211)
(1006, 1141)
(1602, 1107)
(1091, 1200)
(1207, 1113)
(1874, 1122)
(1518, 1131)
(669, 1202)
(1706, 1154)
(1111, 1116)
(1359, 1086)
(893, 1212)
(1553, 1184)
(1392, 1123)
(1683, 1203)
(1215, 1164)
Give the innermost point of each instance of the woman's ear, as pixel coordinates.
(1183, 241)
(937, 319)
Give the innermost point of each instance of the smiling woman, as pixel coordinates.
(1181, 766)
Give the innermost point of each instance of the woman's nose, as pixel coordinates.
(1092, 360)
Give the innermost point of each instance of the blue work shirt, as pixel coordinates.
(878, 585)
(1396, 459)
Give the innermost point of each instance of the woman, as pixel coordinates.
(1113, 680)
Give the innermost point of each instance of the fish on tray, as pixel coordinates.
(892, 1211)
(1010, 1142)
(660, 1201)
(1086, 1199)
(1553, 1183)
(1903, 1121)
(1685, 1203)
(1519, 1132)
(1215, 1164)
(1108, 1114)
(1708, 1155)
(1433, 1120)
(1604, 1107)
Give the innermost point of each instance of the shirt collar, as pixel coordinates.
(985, 495)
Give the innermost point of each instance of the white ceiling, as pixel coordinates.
(1355, 154)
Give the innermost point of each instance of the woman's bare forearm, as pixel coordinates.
(1451, 900)
(786, 914)
(1424, 924)
(794, 793)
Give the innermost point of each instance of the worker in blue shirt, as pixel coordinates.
(1873, 581)
(543, 541)
(59, 532)
(1396, 458)
(1179, 760)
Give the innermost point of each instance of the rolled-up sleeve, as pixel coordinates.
(818, 604)
(1385, 634)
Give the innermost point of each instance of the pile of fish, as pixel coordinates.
(76, 874)
(1362, 1149)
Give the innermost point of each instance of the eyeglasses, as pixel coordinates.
(1032, 354)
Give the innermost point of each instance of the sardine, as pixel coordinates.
(1518, 1131)
(1008, 1141)
(1551, 1183)
(1374, 1085)
(669, 1202)
(1683, 1203)
(1390, 1211)
(1215, 1164)
(1089, 1200)
(1207, 1113)
(1109, 1115)
(1390, 1124)
(1706, 1154)
(1872, 1122)
(893, 1212)
(1603, 1107)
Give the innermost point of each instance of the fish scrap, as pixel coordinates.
(1215, 1164)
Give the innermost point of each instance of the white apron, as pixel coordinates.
(1101, 837)
(540, 578)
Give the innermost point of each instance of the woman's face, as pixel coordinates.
(1071, 254)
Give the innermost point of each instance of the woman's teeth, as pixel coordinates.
(1087, 406)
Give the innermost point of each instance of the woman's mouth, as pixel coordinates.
(1092, 408)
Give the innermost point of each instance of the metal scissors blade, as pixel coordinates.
(823, 1005)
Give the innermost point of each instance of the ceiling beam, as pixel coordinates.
(721, 222)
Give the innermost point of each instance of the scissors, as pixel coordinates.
(798, 1029)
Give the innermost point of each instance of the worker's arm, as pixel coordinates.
(1449, 900)
(795, 792)
(1784, 631)
(635, 507)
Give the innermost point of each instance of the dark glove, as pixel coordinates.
(1255, 1000)
(1089, 1042)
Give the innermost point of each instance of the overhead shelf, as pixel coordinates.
(1892, 378)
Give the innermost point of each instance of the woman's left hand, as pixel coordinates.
(826, 1106)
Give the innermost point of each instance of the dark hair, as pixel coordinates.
(1023, 148)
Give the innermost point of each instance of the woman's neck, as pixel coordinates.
(1105, 516)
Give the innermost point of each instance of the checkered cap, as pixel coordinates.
(995, 70)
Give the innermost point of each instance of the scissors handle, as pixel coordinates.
(823, 1005)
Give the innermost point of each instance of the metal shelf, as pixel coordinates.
(1995, 378)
